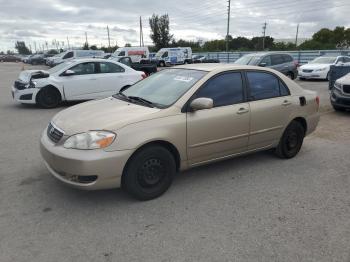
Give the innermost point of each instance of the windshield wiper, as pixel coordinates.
(142, 100)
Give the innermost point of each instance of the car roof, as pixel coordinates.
(209, 67)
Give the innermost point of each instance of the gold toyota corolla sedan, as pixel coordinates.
(176, 119)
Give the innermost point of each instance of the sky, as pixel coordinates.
(38, 22)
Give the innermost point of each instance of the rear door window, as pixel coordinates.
(287, 58)
(277, 59)
(266, 60)
(107, 68)
(263, 85)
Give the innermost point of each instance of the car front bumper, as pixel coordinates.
(339, 99)
(313, 74)
(84, 169)
(25, 96)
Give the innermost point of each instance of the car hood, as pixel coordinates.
(26, 75)
(345, 80)
(105, 114)
(314, 66)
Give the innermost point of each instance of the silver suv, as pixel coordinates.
(281, 62)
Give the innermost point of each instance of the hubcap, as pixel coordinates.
(151, 173)
(292, 140)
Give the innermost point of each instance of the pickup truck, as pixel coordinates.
(147, 67)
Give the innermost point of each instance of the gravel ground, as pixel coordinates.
(252, 208)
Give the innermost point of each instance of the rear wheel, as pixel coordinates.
(149, 173)
(291, 75)
(48, 97)
(162, 64)
(291, 141)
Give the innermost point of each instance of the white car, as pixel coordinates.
(82, 79)
(319, 67)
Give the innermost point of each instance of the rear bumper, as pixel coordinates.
(76, 167)
(338, 99)
(25, 96)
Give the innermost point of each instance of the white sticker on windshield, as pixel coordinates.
(183, 78)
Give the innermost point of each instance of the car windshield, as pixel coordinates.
(165, 87)
(323, 60)
(59, 67)
(248, 60)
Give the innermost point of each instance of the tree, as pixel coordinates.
(22, 48)
(160, 33)
(93, 47)
(127, 45)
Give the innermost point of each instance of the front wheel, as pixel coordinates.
(291, 141)
(162, 64)
(338, 108)
(149, 173)
(291, 75)
(48, 97)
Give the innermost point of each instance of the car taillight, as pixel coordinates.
(143, 76)
(296, 63)
(318, 101)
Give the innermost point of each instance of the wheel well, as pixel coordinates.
(302, 121)
(169, 146)
(51, 87)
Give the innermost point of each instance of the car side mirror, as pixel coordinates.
(201, 103)
(69, 73)
(262, 64)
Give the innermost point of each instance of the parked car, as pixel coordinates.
(148, 68)
(174, 56)
(37, 59)
(75, 54)
(82, 79)
(281, 62)
(136, 53)
(198, 58)
(10, 58)
(179, 118)
(340, 94)
(320, 66)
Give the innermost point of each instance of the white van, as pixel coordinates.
(136, 53)
(174, 56)
(75, 54)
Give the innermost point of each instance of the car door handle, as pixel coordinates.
(242, 110)
(92, 79)
(286, 103)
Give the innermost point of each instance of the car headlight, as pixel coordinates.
(337, 86)
(321, 69)
(90, 140)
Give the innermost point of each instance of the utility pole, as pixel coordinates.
(68, 42)
(34, 46)
(86, 42)
(296, 36)
(264, 33)
(141, 33)
(228, 22)
(109, 39)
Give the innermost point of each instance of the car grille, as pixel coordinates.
(20, 85)
(54, 134)
(307, 70)
(346, 89)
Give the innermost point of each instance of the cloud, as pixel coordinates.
(37, 21)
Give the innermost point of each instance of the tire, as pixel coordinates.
(149, 173)
(301, 78)
(48, 97)
(162, 64)
(291, 140)
(327, 77)
(338, 108)
(291, 75)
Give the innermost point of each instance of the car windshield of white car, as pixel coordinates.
(323, 60)
(165, 87)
